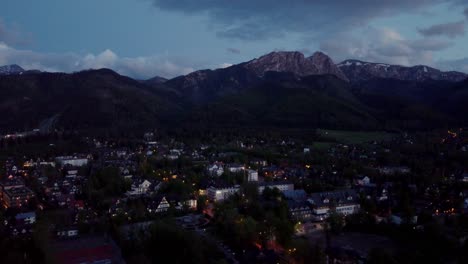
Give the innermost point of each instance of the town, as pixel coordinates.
(325, 196)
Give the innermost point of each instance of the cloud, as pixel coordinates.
(233, 50)
(454, 65)
(383, 45)
(264, 19)
(11, 35)
(138, 67)
(450, 30)
(466, 12)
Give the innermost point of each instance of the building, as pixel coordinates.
(71, 174)
(181, 204)
(258, 162)
(191, 203)
(344, 202)
(252, 175)
(363, 181)
(391, 170)
(67, 232)
(142, 187)
(72, 161)
(215, 169)
(17, 197)
(300, 211)
(25, 218)
(11, 182)
(282, 186)
(235, 168)
(159, 205)
(220, 193)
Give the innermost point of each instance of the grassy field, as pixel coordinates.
(354, 137)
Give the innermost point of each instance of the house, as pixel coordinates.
(215, 169)
(344, 202)
(363, 181)
(252, 175)
(142, 187)
(218, 192)
(158, 205)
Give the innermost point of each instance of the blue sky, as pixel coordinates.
(143, 38)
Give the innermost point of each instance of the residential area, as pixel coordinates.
(272, 199)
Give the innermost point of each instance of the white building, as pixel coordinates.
(73, 161)
(190, 204)
(235, 168)
(363, 181)
(160, 205)
(218, 194)
(141, 188)
(344, 202)
(26, 218)
(215, 169)
(282, 186)
(252, 175)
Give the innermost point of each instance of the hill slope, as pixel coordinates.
(85, 100)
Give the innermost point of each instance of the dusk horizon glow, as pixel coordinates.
(147, 38)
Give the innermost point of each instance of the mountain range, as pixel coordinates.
(356, 70)
(279, 89)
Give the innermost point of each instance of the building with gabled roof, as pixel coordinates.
(343, 202)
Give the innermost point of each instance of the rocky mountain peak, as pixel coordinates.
(325, 65)
(295, 62)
